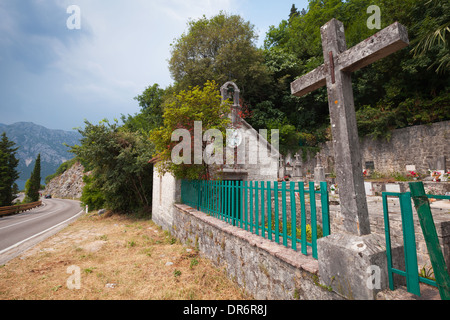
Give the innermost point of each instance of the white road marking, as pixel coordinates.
(15, 224)
(40, 233)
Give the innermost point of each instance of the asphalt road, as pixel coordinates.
(21, 232)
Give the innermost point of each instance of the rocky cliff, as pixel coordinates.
(69, 184)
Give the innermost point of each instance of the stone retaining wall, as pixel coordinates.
(264, 269)
(421, 146)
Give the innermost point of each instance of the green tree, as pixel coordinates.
(222, 48)
(118, 159)
(434, 34)
(197, 104)
(152, 109)
(294, 11)
(33, 185)
(92, 194)
(383, 90)
(8, 172)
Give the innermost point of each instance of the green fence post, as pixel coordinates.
(211, 197)
(276, 213)
(197, 188)
(283, 199)
(204, 207)
(245, 206)
(312, 201)
(269, 211)
(409, 239)
(301, 189)
(208, 196)
(293, 217)
(388, 241)
(228, 184)
(239, 204)
(325, 208)
(263, 226)
(251, 206)
(225, 201)
(256, 209)
(215, 197)
(221, 206)
(431, 238)
(183, 188)
(233, 201)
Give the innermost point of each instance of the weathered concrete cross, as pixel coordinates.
(335, 73)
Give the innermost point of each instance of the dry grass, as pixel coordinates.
(120, 258)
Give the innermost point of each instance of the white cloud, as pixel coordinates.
(130, 43)
(93, 73)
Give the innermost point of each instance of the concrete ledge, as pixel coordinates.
(356, 266)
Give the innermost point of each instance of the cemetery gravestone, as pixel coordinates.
(368, 188)
(441, 164)
(319, 171)
(392, 187)
(297, 166)
(370, 165)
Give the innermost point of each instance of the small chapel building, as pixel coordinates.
(259, 161)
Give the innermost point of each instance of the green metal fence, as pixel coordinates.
(261, 208)
(411, 272)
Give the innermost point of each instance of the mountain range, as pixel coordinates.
(33, 139)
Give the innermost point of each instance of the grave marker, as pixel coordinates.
(319, 171)
(441, 164)
(297, 166)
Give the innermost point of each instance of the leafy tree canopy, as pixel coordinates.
(118, 160)
(407, 88)
(196, 104)
(219, 49)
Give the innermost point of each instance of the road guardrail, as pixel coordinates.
(5, 211)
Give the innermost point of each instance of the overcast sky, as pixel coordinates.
(57, 77)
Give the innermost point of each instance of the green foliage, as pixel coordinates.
(8, 172)
(400, 90)
(92, 195)
(377, 122)
(152, 109)
(33, 185)
(219, 49)
(121, 174)
(181, 111)
(434, 33)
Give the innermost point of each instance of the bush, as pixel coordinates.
(92, 196)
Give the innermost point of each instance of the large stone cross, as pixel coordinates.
(335, 73)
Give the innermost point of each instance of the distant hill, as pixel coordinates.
(33, 139)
